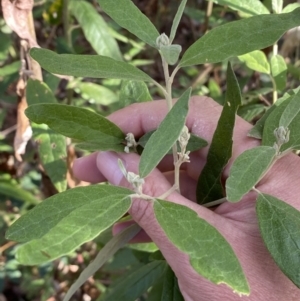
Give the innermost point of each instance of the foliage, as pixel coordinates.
(80, 88)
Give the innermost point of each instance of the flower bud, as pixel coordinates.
(162, 40)
(282, 135)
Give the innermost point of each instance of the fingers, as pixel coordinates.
(155, 184)
(144, 117)
(107, 163)
(202, 120)
(85, 169)
(141, 237)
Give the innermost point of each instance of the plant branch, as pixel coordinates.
(168, 81)
(168, 192)
(174, 73)
(215, 203)
(115, 244)
(164, 91)
(67, 31)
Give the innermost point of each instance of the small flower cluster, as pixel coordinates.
(130, 142)
(183, 140)
(282, 136)
(134, 179)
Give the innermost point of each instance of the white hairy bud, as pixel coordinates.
(162, 40)
(184, 137)
(282, 135)
(134, 179)
(130, 142)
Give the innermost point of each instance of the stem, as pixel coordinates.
(169, 81)
(177, 165)
(275, 94)
(215, 203)
(174, 73)
(163, 90)
(256, 190)
(168, 192)
(66, 24)
(142, 196)
(207, 15)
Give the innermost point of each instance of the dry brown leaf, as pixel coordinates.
(24, 131)
(291, 41)
(16, 14)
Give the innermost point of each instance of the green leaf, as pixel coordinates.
(128, 16)
(10, 69)
(210, 254)
(279, 71)
(12, 190)
(133, 91)
(156, 291)
(78, 123)
(287, 115)
(177, 19)
(256, 60)
(171, 291)
(290, 7)
(52, 153)
(257, 130)
(95, 29)
(279, 224)
(171, 53)
(149, 247)
(95, 66)
(38, 92)
(250, 111)
(64, 221)
(291, 111)
(165, 136)
(52, 147)
(247, 170)
(96, 93)
(136, 283)
(277, 6)
(115, 244)
(254, 33)
(98, 145)
(294, 71)
(209, 186)
(248, 8)
(195, 142)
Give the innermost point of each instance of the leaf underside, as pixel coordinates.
(210, 254)
(64, 221)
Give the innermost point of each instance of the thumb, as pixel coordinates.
(107, 162)
(155, 185)
(142, 212)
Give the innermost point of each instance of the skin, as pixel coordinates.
(236, 222)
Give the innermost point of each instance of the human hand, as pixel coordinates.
(236, 222)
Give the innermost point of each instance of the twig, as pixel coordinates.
(7, 246)
(67, 32)
(202, 75)
(263, 99)
(7, 131)
(208, 12)
(215, 203)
